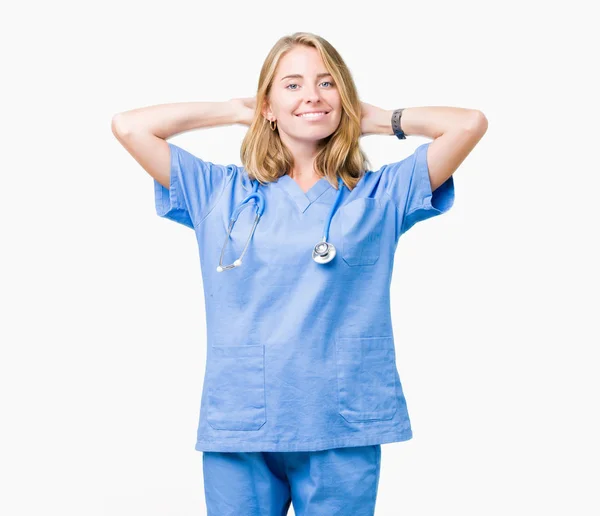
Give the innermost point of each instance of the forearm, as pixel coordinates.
(431, 121)
(166, 120)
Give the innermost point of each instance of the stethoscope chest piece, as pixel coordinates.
(323, 252)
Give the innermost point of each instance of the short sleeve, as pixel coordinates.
(195, 187)
(409, 186)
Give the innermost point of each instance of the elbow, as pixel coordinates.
(478, 122)
(114, 124)
(118, 126)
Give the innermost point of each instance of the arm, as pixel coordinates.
(456, 131)
(166, 120)
(143, 131)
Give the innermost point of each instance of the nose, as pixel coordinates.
(312, 94)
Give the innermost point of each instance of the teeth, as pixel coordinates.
(312, 114)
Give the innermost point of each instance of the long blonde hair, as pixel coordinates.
(264, 155)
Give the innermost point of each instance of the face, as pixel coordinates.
(291, 96)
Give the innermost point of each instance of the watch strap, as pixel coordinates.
(396, 117)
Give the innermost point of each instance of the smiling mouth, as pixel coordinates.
(309, 116)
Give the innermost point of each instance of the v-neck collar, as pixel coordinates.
(303, 200)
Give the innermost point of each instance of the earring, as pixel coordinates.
(273, 127)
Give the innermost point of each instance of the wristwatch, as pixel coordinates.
(396, 116)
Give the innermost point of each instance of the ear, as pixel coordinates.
(266, 110)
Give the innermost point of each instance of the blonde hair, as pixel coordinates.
(264, 155)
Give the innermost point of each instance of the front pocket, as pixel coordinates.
(366, 375)
(236, 387)
(361, 222)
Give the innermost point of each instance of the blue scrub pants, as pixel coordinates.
(334, 482)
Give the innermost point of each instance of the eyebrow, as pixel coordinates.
(297, 75)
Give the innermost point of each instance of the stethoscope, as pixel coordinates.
(323, 252)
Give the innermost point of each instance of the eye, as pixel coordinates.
(294, 84)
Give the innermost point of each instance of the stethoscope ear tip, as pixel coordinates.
(237, 263)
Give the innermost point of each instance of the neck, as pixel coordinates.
(304, 153)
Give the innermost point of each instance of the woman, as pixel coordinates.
(301, 386)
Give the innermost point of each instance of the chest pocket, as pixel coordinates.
(361, 225)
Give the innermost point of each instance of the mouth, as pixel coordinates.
(314, 116)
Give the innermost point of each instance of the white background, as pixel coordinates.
(495, 302)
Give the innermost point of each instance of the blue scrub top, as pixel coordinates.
(300, 355)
